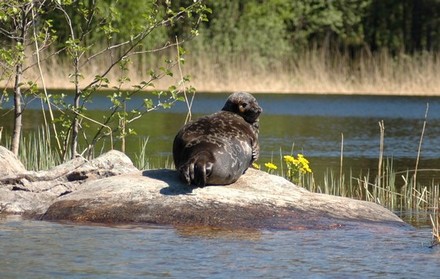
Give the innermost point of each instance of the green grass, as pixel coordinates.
(36, 150)
(384, 189)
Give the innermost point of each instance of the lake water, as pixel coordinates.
(33, 249)
(314, 125)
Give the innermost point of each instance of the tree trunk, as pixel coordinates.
(75, 125)
(15, 143)
(76, 106)
(22, 25)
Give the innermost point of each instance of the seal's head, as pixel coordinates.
(245, 105)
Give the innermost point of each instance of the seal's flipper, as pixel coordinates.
(201, 167)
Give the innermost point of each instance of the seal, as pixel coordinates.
(217, 149)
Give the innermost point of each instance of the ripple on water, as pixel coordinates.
(43, 249)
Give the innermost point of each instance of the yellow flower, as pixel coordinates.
(303, 170)
(289, 159)
(307, 168)
(297, 166)
(256, 166)
(271, 166)
(302, 159)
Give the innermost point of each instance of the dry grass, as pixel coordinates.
(316, 71)
(319, 71)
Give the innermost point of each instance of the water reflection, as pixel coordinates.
(219, 233)
(49, 250)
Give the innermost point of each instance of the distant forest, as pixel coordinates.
(278, 28)
(274, 28)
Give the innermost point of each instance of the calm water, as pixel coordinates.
(31, 249)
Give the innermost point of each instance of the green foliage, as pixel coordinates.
(268, 31)
(262, 31)
(407, 26)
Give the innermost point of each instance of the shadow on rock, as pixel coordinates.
(170, 177)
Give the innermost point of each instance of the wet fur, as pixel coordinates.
(217, 149)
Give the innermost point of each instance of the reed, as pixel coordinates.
(37, 151)
(140, 160)
(413, 202)
(320, 71)
(388, 192)
(317, 70)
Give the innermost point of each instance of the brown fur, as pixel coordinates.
(217, 149)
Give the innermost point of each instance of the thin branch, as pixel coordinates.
(44, 86)
(135, 42)
(188, 103)
(46, 58)
(379, 168)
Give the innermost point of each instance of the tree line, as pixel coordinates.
(281, 27)
(270, 27)
(285, 28)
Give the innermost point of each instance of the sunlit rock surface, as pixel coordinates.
(256, 200)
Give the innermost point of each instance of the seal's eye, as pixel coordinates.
(242, 107)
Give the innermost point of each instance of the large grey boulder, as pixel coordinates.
(256, 200)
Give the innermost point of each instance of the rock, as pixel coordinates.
(257, 200)
(9, 163)
(24, 191)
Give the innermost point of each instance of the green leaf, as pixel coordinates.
(148, 103)
(131, 131)
(166, 105)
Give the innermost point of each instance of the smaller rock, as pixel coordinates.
(33, 191)
(9, 163)
(108, 164)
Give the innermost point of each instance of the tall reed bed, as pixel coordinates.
(412, 201)
(316, 70)
(321, 71)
